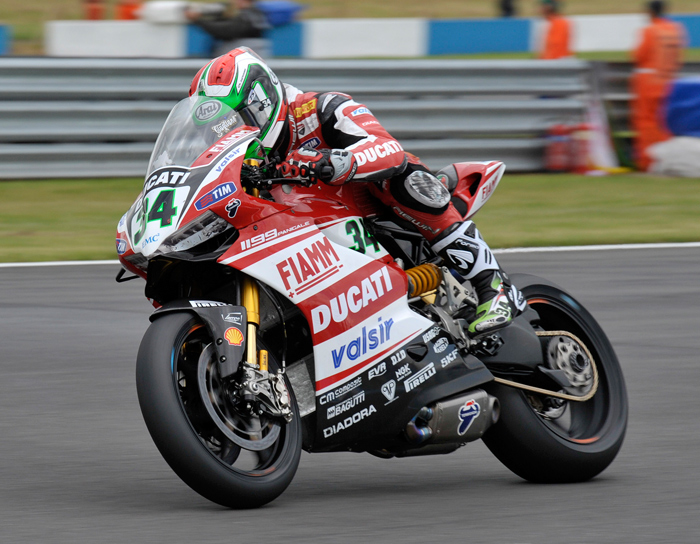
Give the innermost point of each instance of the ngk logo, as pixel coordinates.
(309, 267)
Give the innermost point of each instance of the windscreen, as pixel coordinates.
(193, 126)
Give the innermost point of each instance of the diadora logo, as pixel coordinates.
(379, 151)
(215, 195)
(441, 345)
(349, 421)
(367, 340)
(305, 108)
(420, 377)
(467, 414)
(356, 298)
(121, 246)
(169, 176)
(377, 371)
(309, 267)
(447, 359)
(361, 111)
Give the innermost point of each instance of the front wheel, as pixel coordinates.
(238, 461)
(542, 438)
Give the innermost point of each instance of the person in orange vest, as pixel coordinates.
(657, 59)
(557, 40)
(128, 10)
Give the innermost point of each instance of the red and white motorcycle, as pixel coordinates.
(293, 317)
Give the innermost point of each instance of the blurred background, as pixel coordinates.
(601, 142)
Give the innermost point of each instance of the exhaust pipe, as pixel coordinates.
(457, 420)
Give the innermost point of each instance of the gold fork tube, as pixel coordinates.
(251, 302)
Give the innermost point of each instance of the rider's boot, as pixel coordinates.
(462, 247)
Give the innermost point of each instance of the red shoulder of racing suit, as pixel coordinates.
(335, 121)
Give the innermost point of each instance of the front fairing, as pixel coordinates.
(192, 191)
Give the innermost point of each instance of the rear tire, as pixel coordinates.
(186, 436)
(542, 449)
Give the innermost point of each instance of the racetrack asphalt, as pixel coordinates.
(78, 466)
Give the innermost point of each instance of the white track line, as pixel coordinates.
(554, 249)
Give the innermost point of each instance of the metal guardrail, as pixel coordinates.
(100, 117)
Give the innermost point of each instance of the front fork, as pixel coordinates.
(259, 383)
(251, 301)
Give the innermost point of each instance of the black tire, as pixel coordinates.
(539, 449)
(185, 434)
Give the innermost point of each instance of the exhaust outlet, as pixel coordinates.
(457, 420)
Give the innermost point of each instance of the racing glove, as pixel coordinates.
(333, 167)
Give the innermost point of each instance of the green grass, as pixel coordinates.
(76, 220)
(62, 220)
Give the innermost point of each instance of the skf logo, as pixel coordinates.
(354, 300)
(233, 336)
(305, 108)
(215, 195)
(467, 414)
(379, 151)
(309, 267)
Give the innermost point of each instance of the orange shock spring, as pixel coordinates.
(423, 278)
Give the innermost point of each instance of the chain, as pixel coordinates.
(556, 394)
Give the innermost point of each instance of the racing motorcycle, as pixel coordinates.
(294, 317)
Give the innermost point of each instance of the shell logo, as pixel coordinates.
(233, 336)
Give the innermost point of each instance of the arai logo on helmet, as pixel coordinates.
(207, 110)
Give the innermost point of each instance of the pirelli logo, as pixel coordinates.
(305, 108)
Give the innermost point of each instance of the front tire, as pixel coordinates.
(569, 443)
(184, 433)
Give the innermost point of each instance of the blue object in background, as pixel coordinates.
(4, 40)
(692, 27)
(683, 107)
(286, 40)
(460, 36)
(199, 43)
(279, 12)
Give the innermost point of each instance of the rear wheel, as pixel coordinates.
(546, 439)
(222, 452)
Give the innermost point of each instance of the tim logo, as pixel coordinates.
(215, 195)
(467, 414)
(309, 267)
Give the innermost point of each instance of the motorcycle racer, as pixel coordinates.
(331, 138)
